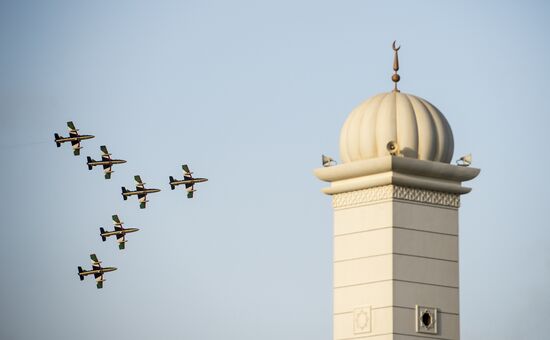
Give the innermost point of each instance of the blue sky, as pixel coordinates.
(249, 94)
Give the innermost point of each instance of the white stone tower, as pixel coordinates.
(396, 200)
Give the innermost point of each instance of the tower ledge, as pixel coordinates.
(395, 170)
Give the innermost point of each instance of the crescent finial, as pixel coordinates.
(395, 78)
(395, 48)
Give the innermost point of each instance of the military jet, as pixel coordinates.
(119, 231)
(188, 180)
(106, 161)
(74, 138)
(140, 191)
(97, 271)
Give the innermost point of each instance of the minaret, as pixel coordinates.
(396, 199)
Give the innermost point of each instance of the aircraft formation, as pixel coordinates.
(141, 192)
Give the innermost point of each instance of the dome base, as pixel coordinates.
(402, 171)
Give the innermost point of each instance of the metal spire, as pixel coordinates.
(395, 77)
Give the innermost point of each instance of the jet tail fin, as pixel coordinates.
(90, 160)
(101, 231)
(80, 275)
(171, 185)
(121, 245)
(123, 192)
(56, 138)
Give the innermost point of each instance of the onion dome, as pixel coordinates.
(399, 124)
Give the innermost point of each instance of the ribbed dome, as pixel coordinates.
(419, 128)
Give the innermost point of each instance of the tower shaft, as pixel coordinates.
(396, 273)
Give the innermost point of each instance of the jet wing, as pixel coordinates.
(99, 280)
(139, 182)
(73, 131)
(76, 147)
(107, 169)
(105, 155)
(95, 261)
(104, 151)
(186, 172)
(190, 190)
(121, 241)
(116, 220)
(142, 198)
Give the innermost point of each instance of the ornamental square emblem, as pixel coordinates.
(362, 320)
(426, 319)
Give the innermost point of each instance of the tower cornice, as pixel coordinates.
(396, 170)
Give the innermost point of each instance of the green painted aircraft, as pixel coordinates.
(188, 180)
(96, 270)
(106, 161)
(120, 232)
(140, 191)
(74, 138)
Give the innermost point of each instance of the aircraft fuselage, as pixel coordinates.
(97, 271)
(107, 162)
(189, 181)
(73, 139)
(140, 192)
(119, 232)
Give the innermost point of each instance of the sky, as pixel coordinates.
(250, 94)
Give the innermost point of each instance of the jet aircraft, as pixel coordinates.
(74, 138)
(119, 231)
(140, 191)
(106, 161)
(188, 180)
(96, 270)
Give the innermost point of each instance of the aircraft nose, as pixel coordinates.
(123, 161)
